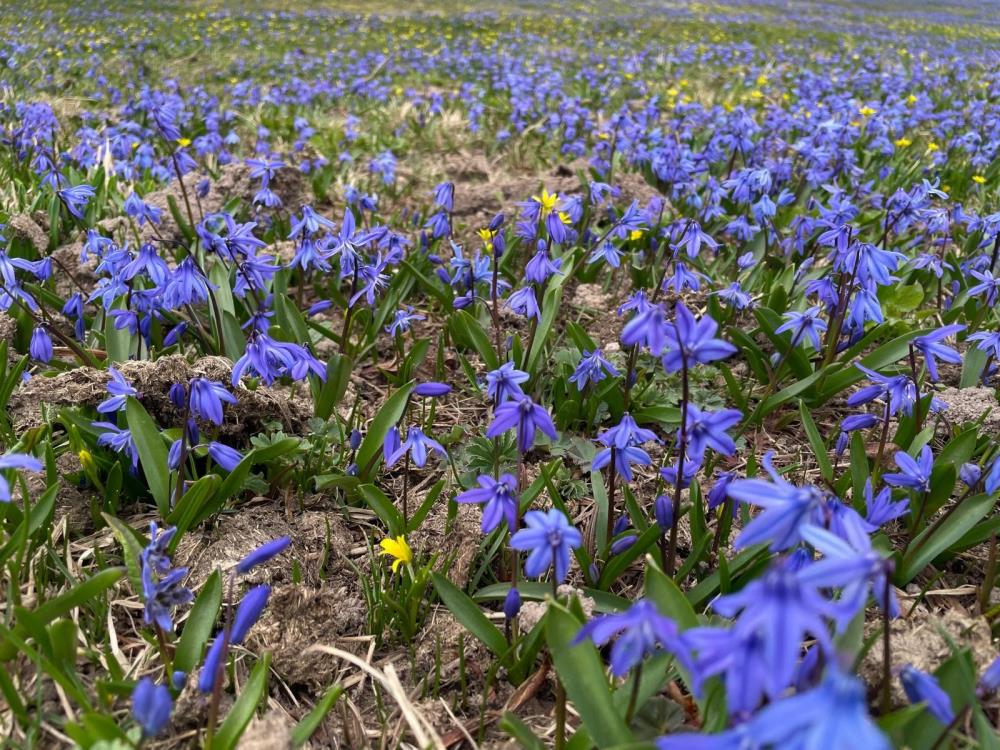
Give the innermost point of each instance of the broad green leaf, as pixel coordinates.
(383, 508)
(199, 624)
(152, 453)
(583, 676)
(245, 706)
(816, 442)
(311, 721)
(467, 331)
(469, 615)
(933, 542)
(388, 416)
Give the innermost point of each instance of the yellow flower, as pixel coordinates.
(933, 147)
(866, 111)
(182, 142)
(635, 234)
(761, 79)
(903, 142)
(978, 179)
(546, 201)
(911, 99)
(87, 461)
(398, 549)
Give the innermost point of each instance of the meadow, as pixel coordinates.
(466, 375)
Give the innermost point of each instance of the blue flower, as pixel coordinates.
(402, 320)
(915, 474)
(505, 382)
(899, 391)
(804, 326)
(832, 716)
(932, 348)
(880, 508)
(690, 341)
(707, 429)
(76, 198)
(782, 610)
(921, 687)
(16, 461)
(855, 569)
(525, 302)
(735, 655)
(40, 346)
(648, 328)
(416, 444)
(206, 399)
(549, 537)
(186, 286)
(118, 440)
(163, 595)
(226, 457)
(119, 389)
(786, 508)
(431, 389)
(499, 499)
(151, 706)
(592, 368)
(641, 632)
(262, 554)
(524, 415)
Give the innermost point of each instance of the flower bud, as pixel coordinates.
(970, 474)
(663, 508)
(355, 439)
(178, 395)
(512, 604)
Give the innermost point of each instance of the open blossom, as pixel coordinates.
(548, 537)
(525, 416)
(787, 508)
(498, 498)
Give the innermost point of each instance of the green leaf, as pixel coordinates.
(550, 308)
(131, 549)
(79, 595)
(243, 709)
(383, 508)
(117, 342)
(40, 513)
(583, 676)
(816, 441)
(520, 732)
(936, 541)
(311, 721)
(152, 453)
(669, 599)
(469, 615)
(338, 377)
(192, 504)
(199, 624)
(467, 331)
(388, 416)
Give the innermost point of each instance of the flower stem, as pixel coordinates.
(668, 567)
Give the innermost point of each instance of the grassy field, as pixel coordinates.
(536, 374)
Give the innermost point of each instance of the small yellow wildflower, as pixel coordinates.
(546, 201)
(183, 142)
(903, 142)
(866, 111)
(398, 549)
(931, 147)
(911, 99)
(87, 461)
(635, 234)
(978, 179)
(761, 79)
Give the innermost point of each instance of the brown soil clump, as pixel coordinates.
(86, 386)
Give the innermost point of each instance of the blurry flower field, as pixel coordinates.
(453, 375)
